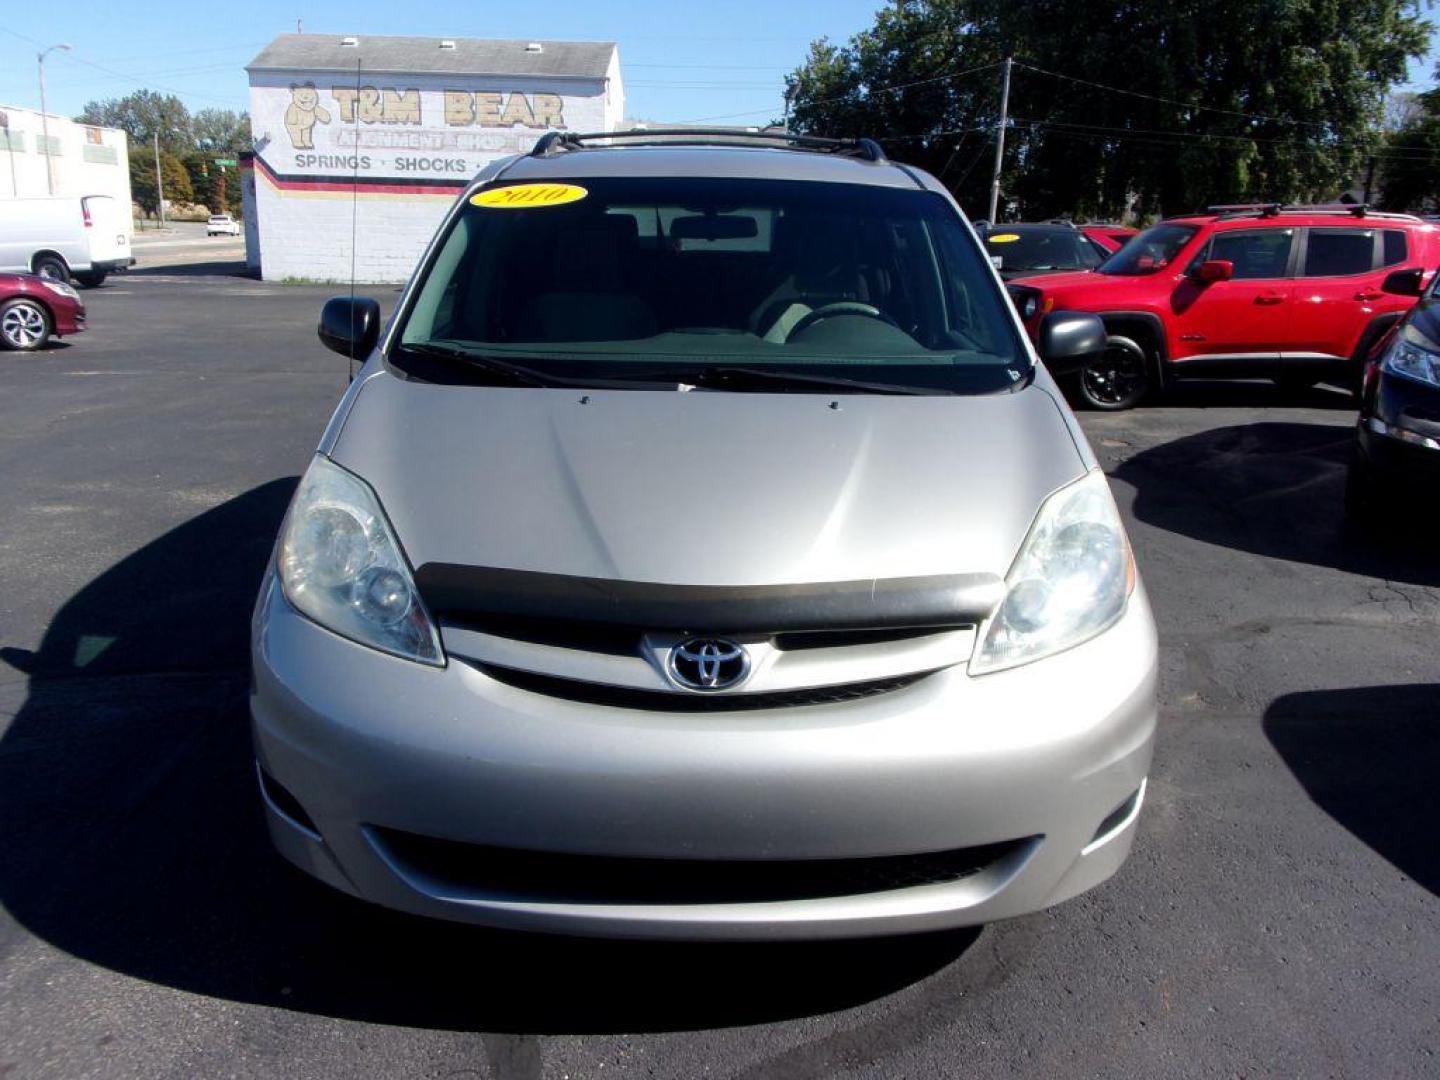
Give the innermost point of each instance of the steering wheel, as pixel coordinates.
(841, 307)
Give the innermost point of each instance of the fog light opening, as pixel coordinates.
(279, 799)
(1117, 820)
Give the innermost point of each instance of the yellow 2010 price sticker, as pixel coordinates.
(528, 196)
(1002, 238)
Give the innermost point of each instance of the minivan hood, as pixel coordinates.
(707, 488)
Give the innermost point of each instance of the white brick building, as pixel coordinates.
(83, 159)
(389, 130)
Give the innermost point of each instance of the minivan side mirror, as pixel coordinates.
(1404, 282)
(350, 326)
(1212, 270)
(1068, 339)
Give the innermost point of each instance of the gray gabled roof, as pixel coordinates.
(470, 56)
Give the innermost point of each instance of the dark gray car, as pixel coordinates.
(703, 552)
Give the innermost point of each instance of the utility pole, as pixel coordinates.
(45, 118)
(159, 182)
(1000, 139)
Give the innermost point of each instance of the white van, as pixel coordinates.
(84, 237)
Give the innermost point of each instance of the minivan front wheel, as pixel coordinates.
(52, 267)
(24, 325)
(1119, 378)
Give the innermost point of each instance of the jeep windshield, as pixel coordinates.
(1150, 252)
(781, 286)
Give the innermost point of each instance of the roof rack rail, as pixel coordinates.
(555, 141)
(1269, 209)
(1358, 210)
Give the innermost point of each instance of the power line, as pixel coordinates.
(147, 84)
(867, 91)
(1174, 137)
(1168, 101)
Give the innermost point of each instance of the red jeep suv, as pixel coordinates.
(1288, 293)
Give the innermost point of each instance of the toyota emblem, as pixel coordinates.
(708, 664)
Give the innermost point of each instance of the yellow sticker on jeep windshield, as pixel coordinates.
(527, 196)
(1003, 238)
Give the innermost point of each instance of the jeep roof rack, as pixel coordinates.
(1269, 209)
(553, 142)
(1230, 211)
(1358, 210)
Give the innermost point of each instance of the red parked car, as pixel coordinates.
(1287, 293)
(1109, 236)
(34, 309)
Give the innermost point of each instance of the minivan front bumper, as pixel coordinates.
(949, 802)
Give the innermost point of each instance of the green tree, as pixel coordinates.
(1410, 162)
(221, 132)
(1264, 99)
(178, 188)
(142, 115)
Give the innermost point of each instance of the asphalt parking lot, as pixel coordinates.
(1278, 916)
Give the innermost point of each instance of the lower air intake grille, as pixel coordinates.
(624, 697)
(594, 879)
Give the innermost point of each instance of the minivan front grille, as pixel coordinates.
(596, 879)
(624, 697)
(620, 639)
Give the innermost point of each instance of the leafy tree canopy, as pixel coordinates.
(1198, 102)
(1410, 164)
(189, 144)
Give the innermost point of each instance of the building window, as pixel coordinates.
(48, 146)
(93, 136)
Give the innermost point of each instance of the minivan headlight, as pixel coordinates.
(1071, 580)
(340, 564)
(1410, 361)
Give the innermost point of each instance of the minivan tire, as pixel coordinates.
(52, 267)
(1119, 378)
(24, 325)
(91, 279)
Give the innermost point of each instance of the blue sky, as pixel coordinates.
(682, 60)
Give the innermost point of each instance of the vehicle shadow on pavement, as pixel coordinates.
(1367, 757)
(1254, 394)
(1275, 489)
(133, 839)
(213, 268)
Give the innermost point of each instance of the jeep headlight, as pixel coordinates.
(1070, 581)
(340, 564)
(1025, 299)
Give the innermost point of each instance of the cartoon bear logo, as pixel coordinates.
(303, 113)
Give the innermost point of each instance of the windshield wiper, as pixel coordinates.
(747, 378)
(491, 365)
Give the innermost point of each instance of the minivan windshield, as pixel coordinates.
(1150, 252)
(795, 285)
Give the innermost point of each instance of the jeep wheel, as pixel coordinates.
(1119, 378)
(24, 325)
(52, 267)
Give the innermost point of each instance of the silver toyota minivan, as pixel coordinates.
(702, 551)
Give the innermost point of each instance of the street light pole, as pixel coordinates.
(159, 182)
(45, 117)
